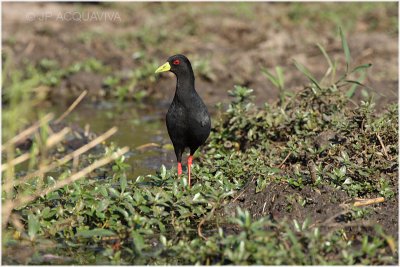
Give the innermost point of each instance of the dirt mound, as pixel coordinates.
(327, 207)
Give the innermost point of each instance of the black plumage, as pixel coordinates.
(188, 121)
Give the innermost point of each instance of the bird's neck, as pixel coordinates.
(185, 85)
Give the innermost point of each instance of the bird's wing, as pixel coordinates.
(205, 120)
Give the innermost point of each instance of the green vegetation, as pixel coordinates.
(120, 85)
(154, 221)
(123, 59)
(21, 92)
(316, 138)
(333, 14)
(52, 73)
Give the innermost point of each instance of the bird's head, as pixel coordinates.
(177, 64)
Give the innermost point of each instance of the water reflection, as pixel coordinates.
(137, 126)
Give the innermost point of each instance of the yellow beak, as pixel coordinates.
(162, 68)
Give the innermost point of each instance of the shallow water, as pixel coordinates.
(138, 125)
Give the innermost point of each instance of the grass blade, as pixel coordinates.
(352, 90)
(281, 80)
(270, 77)
(306, 72)
(361, 67)
(356, 82)
(328, 59)
(345, 48)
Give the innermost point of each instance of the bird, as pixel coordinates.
(188, 121)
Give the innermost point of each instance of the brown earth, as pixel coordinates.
(326, 207)
(236, 41)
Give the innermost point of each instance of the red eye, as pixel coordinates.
(176, 62)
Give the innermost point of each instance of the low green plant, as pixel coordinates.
(315, 139)
(278, 81)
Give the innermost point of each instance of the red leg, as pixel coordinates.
(190, 158)
(179, 169)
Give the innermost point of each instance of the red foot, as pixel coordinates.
(179, 168)
(116, 245)
(190, 159)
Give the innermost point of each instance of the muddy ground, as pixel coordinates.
(327, 208)
(231, 44)
(235, 43)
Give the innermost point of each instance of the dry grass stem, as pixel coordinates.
(203, 221)
(383, 146)
(313, 170)
(243, 190)
(72, 107)
(51, 141)
(65, 159)
(351, 224)
(147, 145)
(15, 161)
(23, 200)
(365, 202)
(24, 134)
(283, 162)
(57, 137)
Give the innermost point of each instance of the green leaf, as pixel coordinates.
(123, 183)
(95, 232)
(103, 191)
(196, 196)
(33, 226)
(361, 67)
(138, 240)
(163, 171)
(50, 181)
(123, 212)
(163, 240)
(332, 67)
(48, 213)
(53, 196)
(129, 207)
(45, 212)
(279, 73)
(350, 93)
(102, 205)
(356, 82)
(306, 72)
(296, 225)
(342, 170)
(144, 208)
(364, 94)
(345, 48)
(270, 77)
(305, 224)
(161, 226)
(328, 59)
(113, 192)
(278, 80)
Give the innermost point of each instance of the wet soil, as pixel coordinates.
(325, 207)
(236, 42)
